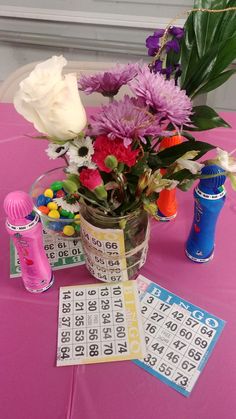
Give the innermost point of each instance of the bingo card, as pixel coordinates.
(61, 254)
(99, 323)
(179, 336)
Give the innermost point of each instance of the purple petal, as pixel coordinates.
(168, 71)
(177, 32)
(152, 51)
(159, 33)
(109, 82)
(173, 44)
(158, 66)
(166, 99)
(152, 42)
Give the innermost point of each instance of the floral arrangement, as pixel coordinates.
(114, 160)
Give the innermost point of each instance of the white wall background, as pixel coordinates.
(103, 30)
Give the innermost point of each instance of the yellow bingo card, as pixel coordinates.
(103, 250)
(99, 323)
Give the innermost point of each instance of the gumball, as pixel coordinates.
(77, 227)
(55, 226)
(40, 200)
(69, 230)
(48, 193)
(43, 209)
(52, 205)
(47, 200)
(64, 213)
(54, 214)
(77, 219)
(56, 186)
(60, 194)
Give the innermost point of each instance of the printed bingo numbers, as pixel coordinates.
(61, 254)
(179, 336)
(103, 249)
(99, 323)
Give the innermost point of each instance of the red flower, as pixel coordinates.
(104, 146)
(90, 178)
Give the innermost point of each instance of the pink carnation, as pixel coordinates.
(90, 178)
(104, 146)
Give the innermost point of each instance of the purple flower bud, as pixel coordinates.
(173, 44)
(159, 33)
(167, 71)
(157, 68)
(152, 51)
(152, 42)
(176, 32)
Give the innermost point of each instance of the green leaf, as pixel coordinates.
(154, 161)
(216, 82)
(181, 175)
(208, 47)
(208, 26)
(189, 54)
(185, 186)
(187, 135)
(205, 118)
(201, 73)
(140, 167)
(168, 156)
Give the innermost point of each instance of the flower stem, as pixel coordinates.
(213, 175)
(65, 159)
(106, 209)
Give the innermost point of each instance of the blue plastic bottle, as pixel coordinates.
(209, 197)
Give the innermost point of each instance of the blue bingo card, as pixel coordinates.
(179, 336)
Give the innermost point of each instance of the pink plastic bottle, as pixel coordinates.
(28, 239)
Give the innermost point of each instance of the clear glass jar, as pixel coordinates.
(115, 248)
(53, 226)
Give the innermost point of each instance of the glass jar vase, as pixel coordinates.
(115, 248)
(57, 227)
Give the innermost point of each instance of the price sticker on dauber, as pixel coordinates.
(179, 336)
(99, 323)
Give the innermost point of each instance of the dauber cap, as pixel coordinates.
(18, 205)
(212, 182)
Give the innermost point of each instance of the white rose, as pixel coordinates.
(51, 101)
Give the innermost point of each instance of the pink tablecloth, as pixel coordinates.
(32, 387)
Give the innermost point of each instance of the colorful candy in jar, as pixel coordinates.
(64, 214)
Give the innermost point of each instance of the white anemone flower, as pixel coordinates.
(80, 152)
(186, 162)
(74, 168)
(56, 150)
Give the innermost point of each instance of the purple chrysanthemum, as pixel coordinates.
(109, 82)
(125, 119)
(163, 96)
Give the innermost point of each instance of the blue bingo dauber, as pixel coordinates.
(209, 197)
